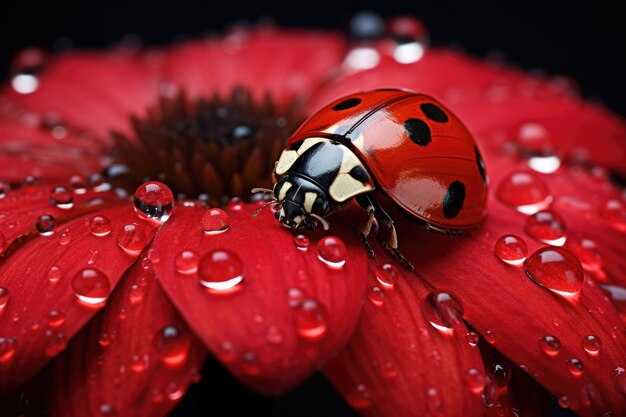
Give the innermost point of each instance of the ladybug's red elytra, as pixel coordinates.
(404, 145)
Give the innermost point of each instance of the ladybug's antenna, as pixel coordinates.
(269, 203)
(320, 219)
(262, 190)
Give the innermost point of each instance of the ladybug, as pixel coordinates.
(396, 143)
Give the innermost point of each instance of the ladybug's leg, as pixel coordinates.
(366, 229)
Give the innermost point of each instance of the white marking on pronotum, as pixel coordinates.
(309, 200)
(283, 190)
(344, 186)
(288, 156)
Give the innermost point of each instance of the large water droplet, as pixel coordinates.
(575, 366)
(100, 225)
(387, 275)
(310, 319)
(592, 345)
(61, 197)
(332, 251)
(547, 227)
(587, 253)
(154, 200)
(131, 238)
(172, 345)
(302, 242)
(215, 221)
(524, 191)
(408, 39)
(619, 378)
(376, 295)
(442, 310)
(45, 225)
(220, 271)
(187, 262)
(91, 286)
(359, 397)
(555, 269)
(511, 249)
(550, 345)
(476, 380)
(7, 349)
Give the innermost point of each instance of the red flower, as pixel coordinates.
(129, 300)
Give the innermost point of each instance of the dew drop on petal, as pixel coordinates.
(25, 83)
(587, 253)
(154, 200)
(387, 275)
(65, 237)
(187, 262)
(564, 402)
(619, 378)
(45, 225)
(614, 212)
(310, 319)
(172, 345)
(472, 338)
(575, 366)
(61, 197)
(91, 286)
(295, 296)
(332, 251)
(7, 349)
(135, 294)
(235, 204)
(524, 191)
(502, 373)
(302, 242)
(376, 295)
(220, 271)
(434, 405)
(442, 310)
(131, 238)
(592, 345)
(555, 269)
(3, 243)
(55, 318)
(79, 184)
(408, 38)
(54, 274)
(489, 337)
(107, 410)
(359, 397)
(550, 345)
(476, 380)
(511, 249)
(100, 225)
(215, 221)
(547, 227)
(138, 363)
(4, 298)
(55, 344)
(274, 335)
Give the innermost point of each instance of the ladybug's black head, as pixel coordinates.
(302, 203)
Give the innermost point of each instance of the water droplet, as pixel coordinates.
(575, 366)
(7, 349)
(154, 200)
(550, 345)
(592, 345)
(376, 296)
(132, 238)
(511, 249)
(91, 286)
(524, 191)
(442, 310)
(587, 253)
(619, 378)
(614, 212)
(388, 370)
(65, 237)
(187, 262)
(55, 344)
(104, 339)
(61, 197)
(295, 296)
(359, 397)
(107, 410)
(45, 225)
(476, 380)
(362, 58)
(25, 83)
(100, 225)
(221, 271)
(172, 345)
(55, 318)
(555, 269)
(501, 373)
(564, 402)
(274, 335)
(387, 275)
(135, 294)
(434, 405)
(310, 319)
(79, 184)
(3, 243)
(139, 363)
(235, 204)
(490, 337)
(302, 242)
(174, 391)
(54, 274)
(546, 226)
(472, 338)
(409, 39)
(215, 221)
(5, 296)
(4, 189)
(332, 251)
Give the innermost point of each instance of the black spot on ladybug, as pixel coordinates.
(359, 174)
(454, 199)
(434, 113)
(481, 163)
(347, 104)
(418, 131)
(296, 146)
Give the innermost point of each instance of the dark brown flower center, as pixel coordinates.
(205, 148)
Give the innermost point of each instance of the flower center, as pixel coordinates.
(211, 149)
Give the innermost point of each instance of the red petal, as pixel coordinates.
(254, 331)
(94, 92)
(119, 361)
(397, 363)
(43, 311)
(280, 62)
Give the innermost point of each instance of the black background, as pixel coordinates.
(586, 43)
